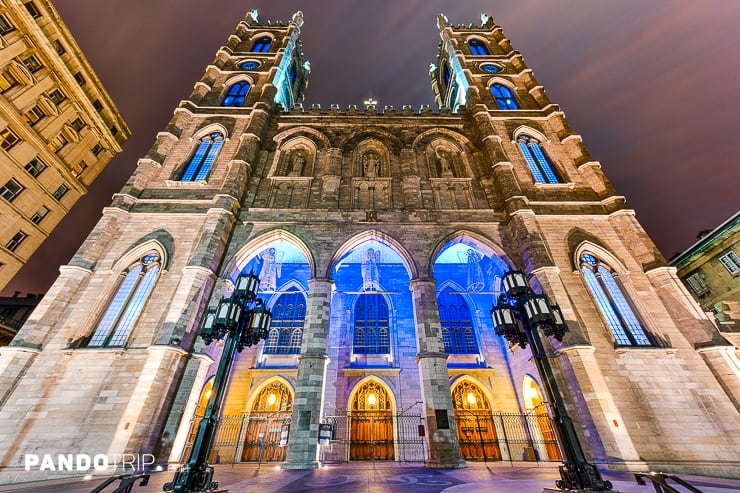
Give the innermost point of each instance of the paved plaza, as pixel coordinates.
(381, 477)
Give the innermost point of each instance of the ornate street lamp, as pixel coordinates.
(517, 316)
(241, 320)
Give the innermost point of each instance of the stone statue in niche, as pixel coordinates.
(297, 162)
(370, 275)
(371, 164)
(445, 163)
(272, 263)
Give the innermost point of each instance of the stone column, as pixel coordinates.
(439, 413)
(304, 425)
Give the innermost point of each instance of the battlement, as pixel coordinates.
(370, 110)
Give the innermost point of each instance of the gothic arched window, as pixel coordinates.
(477, 47)
(612, 303)
(457, 324)
(371, 325)
(286, 329)
(236, 94)
(126, 305)
(203, 158)
(505, 99)
(538, 162)
(262, 45)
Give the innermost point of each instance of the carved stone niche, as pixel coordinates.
(371, 160)
(445, 160)
(295, 158)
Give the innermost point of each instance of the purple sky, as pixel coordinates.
(653, 87)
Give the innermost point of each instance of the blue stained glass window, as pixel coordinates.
(371, 325)
(262, 45)
(612, 303)
(446, 73)
(127, 304)
(458, 335)
(236, 94)
(538, 162)
(249, 65)
(477, 47)
(504, 97)
(203, 158)
(286, 327)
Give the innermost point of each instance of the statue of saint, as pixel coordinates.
(271, 269)
(297, 161)
(472, 259)
(371, 164)
(444, 163)
(370, 277)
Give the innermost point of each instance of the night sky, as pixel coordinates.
(653, 87)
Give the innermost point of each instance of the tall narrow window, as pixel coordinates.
(612, 303)
(505, 99)
(127, 304)
(538, 162)
(371, 325)
(236, 94)
(457, 325)
(262, 45)
(201, 162)
(286, 329)
(477, 47)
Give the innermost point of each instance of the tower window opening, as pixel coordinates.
(262, 45)
(202, 161)
(236, 94)
(538, 162)
(505, 99)
(478, 48)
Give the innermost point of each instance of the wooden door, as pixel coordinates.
(371, 424)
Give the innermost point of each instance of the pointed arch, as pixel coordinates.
(261, 42)
(531, 131)
(478, 46)
(465, 382)
(471, 238)
(319, 139)
(504, 93)
(388, 140)
(386, 386)
(379, 236)
(206, 150)
(283, 164)
(254, 246)
(209, 129)
(236, 90)
(253, 404)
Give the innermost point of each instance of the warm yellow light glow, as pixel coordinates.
(371, 399)
(271, 399)
(208, 394)
(471, 398)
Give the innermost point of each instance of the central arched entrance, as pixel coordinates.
(371, 423)
(476, 430)
(270, 413)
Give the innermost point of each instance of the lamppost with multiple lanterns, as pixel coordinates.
(518, 316)
(241, 320)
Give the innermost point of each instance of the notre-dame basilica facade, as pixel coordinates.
(381, 237)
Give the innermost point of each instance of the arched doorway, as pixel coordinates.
(476, 430)
(371, 423)
(270, 413)
(545, 436)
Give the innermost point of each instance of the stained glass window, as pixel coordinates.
(458, 335)
(236, 94)
(202, 161)
(262, 45)
(505, 99)
(477, 47)
(538, 162)
(127, 304)
(612, 303)
(371, 325)
(286, 328)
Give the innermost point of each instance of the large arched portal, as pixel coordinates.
(476, 430)
(371, 423)
(270, 413)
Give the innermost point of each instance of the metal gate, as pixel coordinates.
(374, 436)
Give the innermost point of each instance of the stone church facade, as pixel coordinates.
(380, 238)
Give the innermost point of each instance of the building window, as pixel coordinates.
(32, 9)
(286, 329)
(504, 97)
(5, 25)
(457, 324)
(202, 161)
(371, 325)
(539, 164)
(612, 303)
(97, 149)
(78, 123)
(11, 190)
(32, 63)
(79, 168)
(59, 47)
(262, 45)
(56, 144)
(697, 284)
(35, 166)
(57, 96)
(33, 115)
(98, 105)
(128, 302)
(7, 80)
(236, 94)
(80, 79)
(8, 139)
(731, 262)
(59, 192)
(477, 47)
(40, 214)
(16, 241)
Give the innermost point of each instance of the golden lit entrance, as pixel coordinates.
(476, 431)
(535, 404)
(371, 423)
(270, 412)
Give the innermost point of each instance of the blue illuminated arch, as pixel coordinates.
(504, 97)
(236, 94)
(286, 328)
(477, 47)
(372, 324)
(538, 162)
(457, 324)
(262, 45)
(202, 160)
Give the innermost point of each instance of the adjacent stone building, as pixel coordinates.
(381, 238)
(58, 128)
